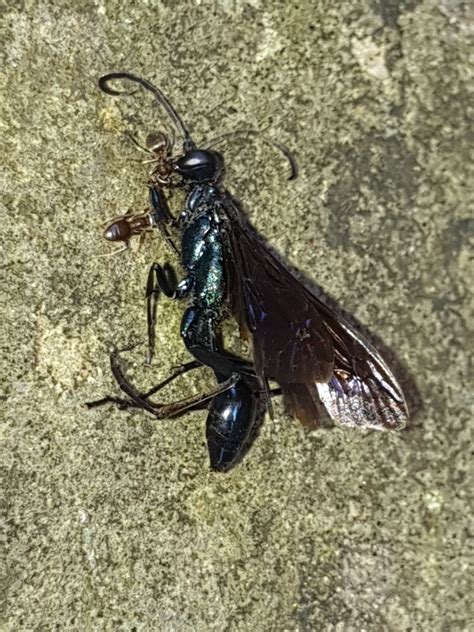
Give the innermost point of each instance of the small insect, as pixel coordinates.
(326, 372)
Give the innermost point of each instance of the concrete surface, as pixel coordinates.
(112, 521)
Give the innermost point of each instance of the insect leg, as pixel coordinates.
(126, 403)
(160, 411)
(198, 330)
(160, 279)
(161, 215)
(159, 204)
(179, 370)
(221, 362)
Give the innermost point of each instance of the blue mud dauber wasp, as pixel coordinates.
(326, 372)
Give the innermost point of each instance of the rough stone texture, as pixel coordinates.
(112, 521)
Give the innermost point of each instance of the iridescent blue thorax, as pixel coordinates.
(202, 250)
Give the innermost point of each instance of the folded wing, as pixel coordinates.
(320, 362)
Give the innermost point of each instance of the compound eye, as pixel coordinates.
(118, 231)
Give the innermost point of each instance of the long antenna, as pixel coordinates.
(254, 133)
(188, 142)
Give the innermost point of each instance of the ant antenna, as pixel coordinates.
(136, 143)
(188, 142)
(268, 141)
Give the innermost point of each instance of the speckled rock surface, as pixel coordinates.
(112, 521)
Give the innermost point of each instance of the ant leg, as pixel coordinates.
(136, 143)
(118, 251)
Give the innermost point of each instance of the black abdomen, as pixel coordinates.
(231, 425)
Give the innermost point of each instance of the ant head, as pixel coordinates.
(158, 143)
(200, 166)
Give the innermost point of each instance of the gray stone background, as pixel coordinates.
(112, 521)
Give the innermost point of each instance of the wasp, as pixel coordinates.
(325, 370)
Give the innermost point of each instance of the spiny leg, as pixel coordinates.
(222, 362)
(160, 411)
(161, 212)
(201, 339)
(179, 370)
(125, 403)
(200, 333)
(160, 279)
(190, 366)
(162, 216)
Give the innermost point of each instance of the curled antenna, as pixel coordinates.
(188, 142)
(268, 141)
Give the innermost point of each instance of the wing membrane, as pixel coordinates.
(317, 357)
(290, 342)
(362, 392)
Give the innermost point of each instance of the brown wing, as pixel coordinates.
(362, 392)
(319, 360)
(290, 341)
